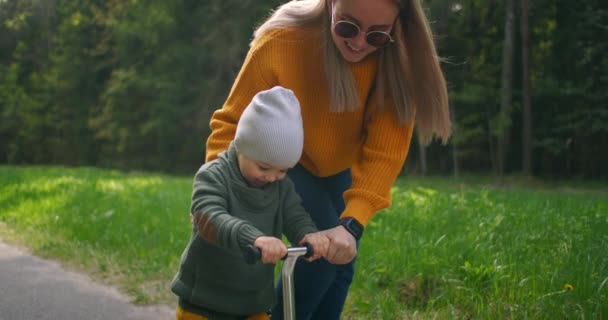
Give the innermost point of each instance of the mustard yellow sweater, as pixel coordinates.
(374, 149)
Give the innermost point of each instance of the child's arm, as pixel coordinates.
(296, 221)
(210, 213)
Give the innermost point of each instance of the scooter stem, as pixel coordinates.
(289, 310)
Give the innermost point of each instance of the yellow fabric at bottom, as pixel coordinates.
(181, 314)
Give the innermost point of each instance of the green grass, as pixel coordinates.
(476, 251)
(447, 249)
(126, 229)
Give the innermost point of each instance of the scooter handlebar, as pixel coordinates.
(253, 254)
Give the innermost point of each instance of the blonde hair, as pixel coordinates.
(409, 69)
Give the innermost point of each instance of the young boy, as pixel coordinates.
(242, 198)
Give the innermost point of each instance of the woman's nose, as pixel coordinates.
(360, 41)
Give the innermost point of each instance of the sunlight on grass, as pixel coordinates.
(110, 185)
(114, 185)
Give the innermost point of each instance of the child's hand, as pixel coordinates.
(319, 242)
(273, 249)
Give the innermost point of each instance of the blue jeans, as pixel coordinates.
(320, 287)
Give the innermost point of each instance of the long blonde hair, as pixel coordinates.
(409, 69)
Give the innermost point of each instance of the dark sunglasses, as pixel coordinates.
(347, 29)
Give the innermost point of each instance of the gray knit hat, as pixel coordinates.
(270, 129)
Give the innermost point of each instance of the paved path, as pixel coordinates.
(32, 288)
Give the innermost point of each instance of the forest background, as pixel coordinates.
(132, 84)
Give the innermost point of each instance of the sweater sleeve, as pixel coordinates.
(211, 215)
(255, 75)
(296, 221)
(377, 166)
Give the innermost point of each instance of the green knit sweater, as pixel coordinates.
(213, 273)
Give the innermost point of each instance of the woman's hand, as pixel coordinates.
(273, 249)
(319, 242)
(342, 245)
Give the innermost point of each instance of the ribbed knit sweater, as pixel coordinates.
(373, 148)
(213, 275)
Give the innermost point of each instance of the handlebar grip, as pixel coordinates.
(309, 250)
(252, 254)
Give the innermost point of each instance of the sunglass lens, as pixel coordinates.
(378, 39)
(346, 30)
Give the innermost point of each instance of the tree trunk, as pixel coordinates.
(422, 154)
(455, 160)
(441, 28)
(527, 107)
(504, 115)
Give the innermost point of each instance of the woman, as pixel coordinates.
(365, 72)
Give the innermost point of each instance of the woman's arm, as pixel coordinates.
(380, 161)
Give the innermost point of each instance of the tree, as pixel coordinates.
(526, 112)
(132, 84)
(502, 124)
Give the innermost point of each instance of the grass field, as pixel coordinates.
(447, 249)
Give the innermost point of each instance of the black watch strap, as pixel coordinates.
(352, 226)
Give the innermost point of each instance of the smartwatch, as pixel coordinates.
(352, 226)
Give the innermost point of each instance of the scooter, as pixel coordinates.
(253, 254)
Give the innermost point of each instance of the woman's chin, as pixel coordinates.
(351, 55)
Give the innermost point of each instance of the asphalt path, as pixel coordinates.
(32, 288)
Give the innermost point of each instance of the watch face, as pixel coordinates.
(354, 227)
